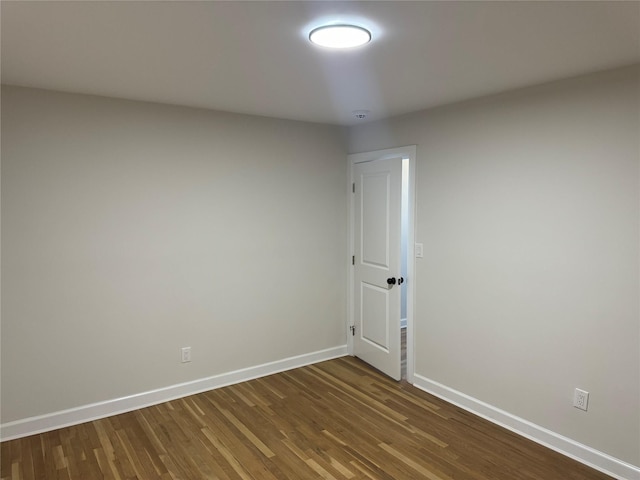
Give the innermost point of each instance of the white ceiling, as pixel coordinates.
(254, 57)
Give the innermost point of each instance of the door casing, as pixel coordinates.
(408, 152)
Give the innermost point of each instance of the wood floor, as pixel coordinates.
(333, 420)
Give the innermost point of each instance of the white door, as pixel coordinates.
(376, 292)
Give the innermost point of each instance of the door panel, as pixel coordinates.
(375, 219)
(377, 252)
(375, 316)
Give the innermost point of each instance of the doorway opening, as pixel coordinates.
(404, 242)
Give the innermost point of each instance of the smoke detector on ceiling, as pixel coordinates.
(361, 114)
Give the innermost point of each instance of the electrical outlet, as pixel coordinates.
(580, 399)
(186, 354)
(419, 250)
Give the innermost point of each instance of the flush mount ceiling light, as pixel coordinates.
(340, 36)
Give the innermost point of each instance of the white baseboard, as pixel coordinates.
(94, 411)
(582, 453)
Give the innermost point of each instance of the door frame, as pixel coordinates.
(408, 152)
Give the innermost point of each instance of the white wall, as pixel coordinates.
(130, 230)
(528, 205)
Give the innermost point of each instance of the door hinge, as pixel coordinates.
(353, 188)
(353, 260)
(353, 330)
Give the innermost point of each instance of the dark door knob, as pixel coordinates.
(391, 281)
(400, 281)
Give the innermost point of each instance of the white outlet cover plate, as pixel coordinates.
(185, 354)
(419, 250)
(581, 399)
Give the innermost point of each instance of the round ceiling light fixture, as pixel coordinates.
(340, 36)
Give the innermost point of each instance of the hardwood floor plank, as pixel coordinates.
(321, 471)
(427, 473)
(248, 434)
(226, 453)
(334, 420)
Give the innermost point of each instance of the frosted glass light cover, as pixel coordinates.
(340, 36)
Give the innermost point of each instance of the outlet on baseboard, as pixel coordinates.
(185, 354)
(580, 399)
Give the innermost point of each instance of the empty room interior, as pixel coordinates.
(232, 249)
